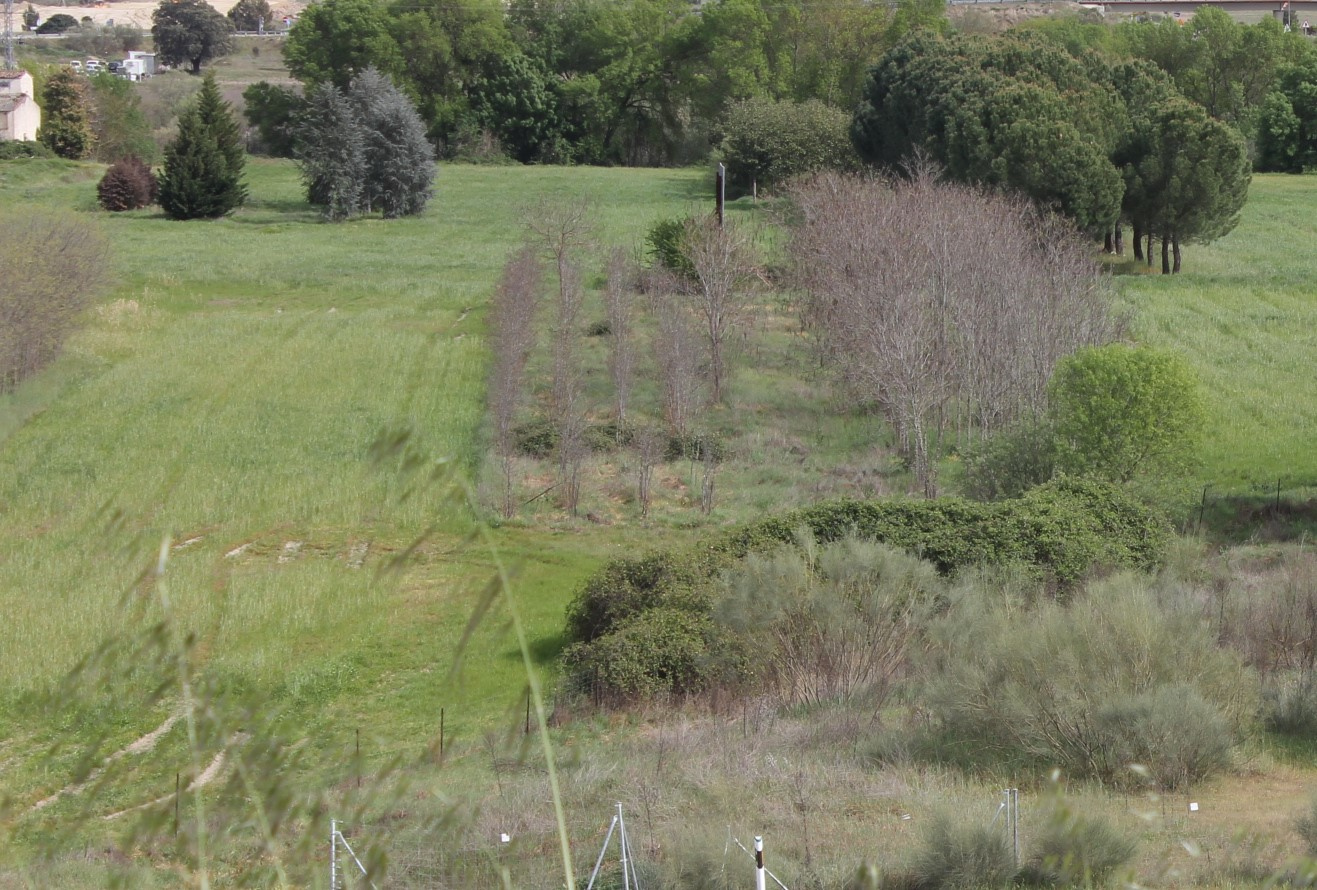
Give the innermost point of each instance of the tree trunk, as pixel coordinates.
(1148, 252)
(1166, 255)
(1120, 240)
(1108, 243)
(1175, 247)
(1138, 242)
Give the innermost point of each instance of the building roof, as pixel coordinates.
(17, 72)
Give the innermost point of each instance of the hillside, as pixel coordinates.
(287, 416)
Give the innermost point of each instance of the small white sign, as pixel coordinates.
(1193, 806)
(507, 838)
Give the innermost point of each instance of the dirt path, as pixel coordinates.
(139, 746)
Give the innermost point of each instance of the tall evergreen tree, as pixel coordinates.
(66, 116)
(366, 151)
(202, 178)
(399, 158)
(331, 152)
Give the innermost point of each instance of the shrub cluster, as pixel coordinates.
(129, 184)
(13, 149)
(1094, 687)
(1060, 531)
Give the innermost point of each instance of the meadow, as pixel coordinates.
(288, 415)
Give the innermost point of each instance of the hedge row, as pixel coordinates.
(1063, 530)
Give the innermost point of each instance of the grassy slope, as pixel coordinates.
(228, 394)
(1245, 313)
(231, 388)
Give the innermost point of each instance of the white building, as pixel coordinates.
(19, 114)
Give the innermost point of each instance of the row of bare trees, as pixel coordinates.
(945, 306)
(51, 266)
(691, 315)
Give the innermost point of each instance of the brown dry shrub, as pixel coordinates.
(54, 263)
(129, 184)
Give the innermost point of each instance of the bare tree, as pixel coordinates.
(709, 458)
(650, 443)
(677, 356)
(927, 317)
(721, 287)
(562, 230)
(511, 339)
(619, 306)
(53, 265)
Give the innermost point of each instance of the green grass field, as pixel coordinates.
(1244, 312)
(291, 405)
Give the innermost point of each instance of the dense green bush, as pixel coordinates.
(1008, 464)
(665, 245)
(660, 651)
(1124, 413)
(1060, 531)
(767, 141)
(12, 149)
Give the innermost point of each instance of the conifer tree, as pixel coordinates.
(66, 118)
(203, 165)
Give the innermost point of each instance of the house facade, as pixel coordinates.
(19, 115)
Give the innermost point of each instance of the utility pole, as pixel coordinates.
(10, 63)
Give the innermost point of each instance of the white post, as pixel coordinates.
(761, 881)
(333, 854)
(1015, 824)
(621, 835)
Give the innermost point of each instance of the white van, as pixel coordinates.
(94, 66)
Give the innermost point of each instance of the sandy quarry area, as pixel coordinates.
(133, 12)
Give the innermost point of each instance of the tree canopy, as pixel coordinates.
(1105, 143)
(190, 32)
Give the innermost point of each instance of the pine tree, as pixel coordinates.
(66, 119)
(202, 178)
(331, 153)
(366, 151)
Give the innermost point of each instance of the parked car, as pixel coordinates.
(115, 67)
(76, 66)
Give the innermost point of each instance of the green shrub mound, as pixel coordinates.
(1061, 531)
(12, 150)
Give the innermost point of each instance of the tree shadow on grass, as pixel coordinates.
(543, 650)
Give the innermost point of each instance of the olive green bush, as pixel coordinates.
(957, 853)
(1107, 682)
(1071, 848)
(1306, 826)
(829, 622)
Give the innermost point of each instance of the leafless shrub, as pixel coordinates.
(53, 265)
(721, 287)
(944, 305)
(710, 462)
(650, 444)
(1275, 627)
(677, 356)
(511, 338)
(562, 230)
(620, 305)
